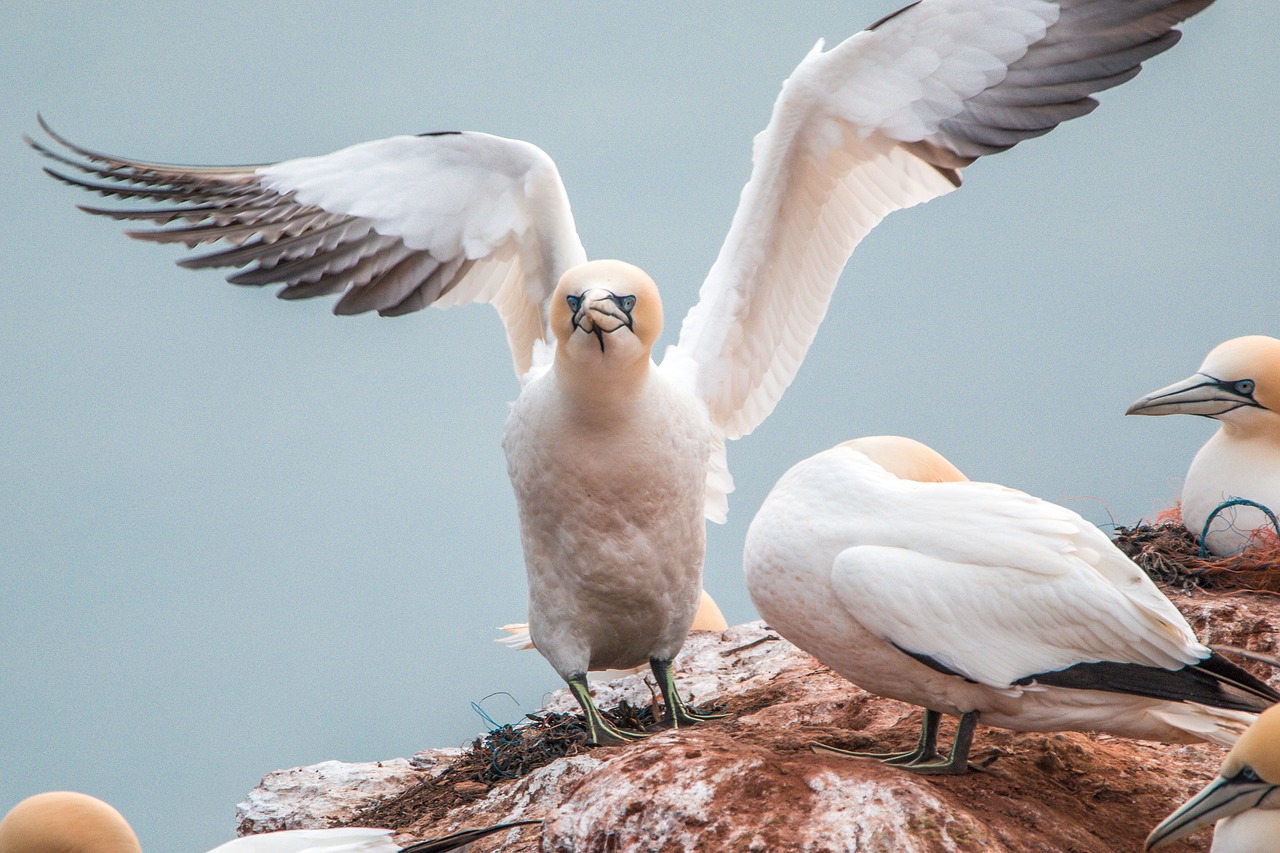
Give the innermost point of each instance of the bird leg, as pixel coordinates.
(926, 747)
(678, 712)
(923, 759)
(600, 731)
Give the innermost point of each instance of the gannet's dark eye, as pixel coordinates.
(1247, 774)
(1244, 387)
(575, 302)
(627, 303)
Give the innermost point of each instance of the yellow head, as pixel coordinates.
(1238, 384)
(66, 822)
(1258, 749)
(606, 310)
(907, 459)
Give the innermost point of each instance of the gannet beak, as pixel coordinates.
(600, 312)
(1200, 394)
(1221, 798)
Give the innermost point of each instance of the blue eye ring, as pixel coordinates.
(1244, 387)
(575, 302)
(627, 303)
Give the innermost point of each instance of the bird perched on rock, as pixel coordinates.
(882, 560)
(1244, 800)
(1239, 386)
(614, 459)
(70, 822)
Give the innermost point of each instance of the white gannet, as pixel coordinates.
(883, 561)
(1244, 799)
(1238, 385)
(613, 458)
(71, 822)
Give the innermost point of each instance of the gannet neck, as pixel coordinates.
(907, 459)
(66, 822)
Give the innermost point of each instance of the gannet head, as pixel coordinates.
(609, 308)
(1249, 779)
(907, 459)
(66, 822)
(1238, 383)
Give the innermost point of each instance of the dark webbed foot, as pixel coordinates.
(679, 713)
(924, 759)
(600, 731)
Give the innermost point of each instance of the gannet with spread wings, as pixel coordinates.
(613, 458)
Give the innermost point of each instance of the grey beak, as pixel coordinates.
(1200, 394)
(1220, 798)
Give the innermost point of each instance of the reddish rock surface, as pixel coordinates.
(750, 782)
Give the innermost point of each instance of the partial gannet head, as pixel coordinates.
(606, 307)
(66, 822)
(1239, 384)
(1249, 779)
(907, 459)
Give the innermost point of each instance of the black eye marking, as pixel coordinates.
(575, 302)
(1244, 387)
(1247, 774)
(626, 303)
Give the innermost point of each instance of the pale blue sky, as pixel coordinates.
(241, 535)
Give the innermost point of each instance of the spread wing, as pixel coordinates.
(393, 225)
(997, 585)
(882, 122)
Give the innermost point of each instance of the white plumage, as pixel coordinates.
(1239, 386)
(1244, 799)
(614, 460)
(883, 561)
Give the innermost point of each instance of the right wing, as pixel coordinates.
(881, 122)
(393, 225)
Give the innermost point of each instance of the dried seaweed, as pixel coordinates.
(1171, 555)
(506, 752)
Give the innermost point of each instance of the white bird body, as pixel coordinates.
(881, 122)
(871, 572)
(611, 505)
(1244, 799)
(1238, 384)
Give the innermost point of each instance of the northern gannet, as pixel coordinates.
(883, 561)
(71, 822)
(1238, 385)
(613, 458)
(1244, 800)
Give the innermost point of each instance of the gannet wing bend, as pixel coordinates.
(613, 461)
(879, 558)
(1244, 800)
(1239, 386)
(70, 822)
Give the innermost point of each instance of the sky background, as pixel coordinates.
(241, 535)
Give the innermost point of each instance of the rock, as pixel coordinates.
(751, 783)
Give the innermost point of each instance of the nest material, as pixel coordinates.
(506, 752)
(1168, 552)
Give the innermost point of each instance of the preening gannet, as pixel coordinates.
(883, 561)
(70, 822)
(614, 459)
(1244, 799)
(1238, 385)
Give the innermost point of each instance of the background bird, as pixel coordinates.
(71, 822)
(1244, 800)
(1239, 386)
(971, 599)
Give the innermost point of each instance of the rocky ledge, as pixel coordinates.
(750, 782)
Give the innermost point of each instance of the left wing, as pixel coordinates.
(882, 122)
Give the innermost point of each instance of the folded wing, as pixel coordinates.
(394, 225)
